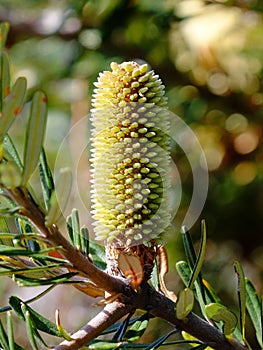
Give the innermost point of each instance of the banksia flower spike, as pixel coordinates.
(130, 156)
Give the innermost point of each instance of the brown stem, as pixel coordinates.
(147, 299)
(79, 261)
(160, 306)
(108, 316)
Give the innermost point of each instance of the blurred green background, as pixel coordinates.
(209, 55)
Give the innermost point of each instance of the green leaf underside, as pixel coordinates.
(4, 77)
(46, 179)
(241, 297)
(218, 313)
(12, 106)
(35, 134)
(4, 29)
(184, 304)
(254, 310)
(200, 258)
(137, 329)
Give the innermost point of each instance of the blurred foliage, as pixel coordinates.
(209, 55)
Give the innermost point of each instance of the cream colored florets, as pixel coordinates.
(130, 155)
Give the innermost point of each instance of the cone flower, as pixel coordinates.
(130, 156)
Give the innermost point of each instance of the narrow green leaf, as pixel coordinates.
(5, 240)
(189, 247)
(4, 29)
(76, 228)
(29, 271)
(195, 266)
(241, 297)
(3, 337)
(155, 277)
(184, 304)
(184, 271)
(29, 327)
(218, 313)
(254, 309)
(97, 253)
(4, 77)
(84, 240)
(200, 257)
(35, 134)
(12, 105)
(137, 329)
(11, 152)
(10, 331)
(104, 345)
(63, 333)
(118, 335)
(59, 196)
(46, 179)
(27, 281)
(40, 322)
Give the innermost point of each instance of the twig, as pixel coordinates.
(160, 306)
(108, 316)
(147, 298)
(54, 237)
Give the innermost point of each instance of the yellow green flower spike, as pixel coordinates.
(130, 156)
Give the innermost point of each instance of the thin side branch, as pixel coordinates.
(108, 316)
(160, 306)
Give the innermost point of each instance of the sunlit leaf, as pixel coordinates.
(4, 228)
(184, 304)
(35, 134)
(11, 152)
(4, 77)
(241, 297)
(27, 281)
(194, 262)
(104, 345)
(184, 271)
(29, 327)
(97, 253)
(46, 179)
(118, 335)
(41, 323)
(63, 333)
(10, 331)
(200, 258)
(192, 340)
(254, 309)
(137, 329)
(73, 227)
(59, 196)
(29, 271)
(219, 312)
(12, 106)
(3, 337)
(4, 29)
(84, 240)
